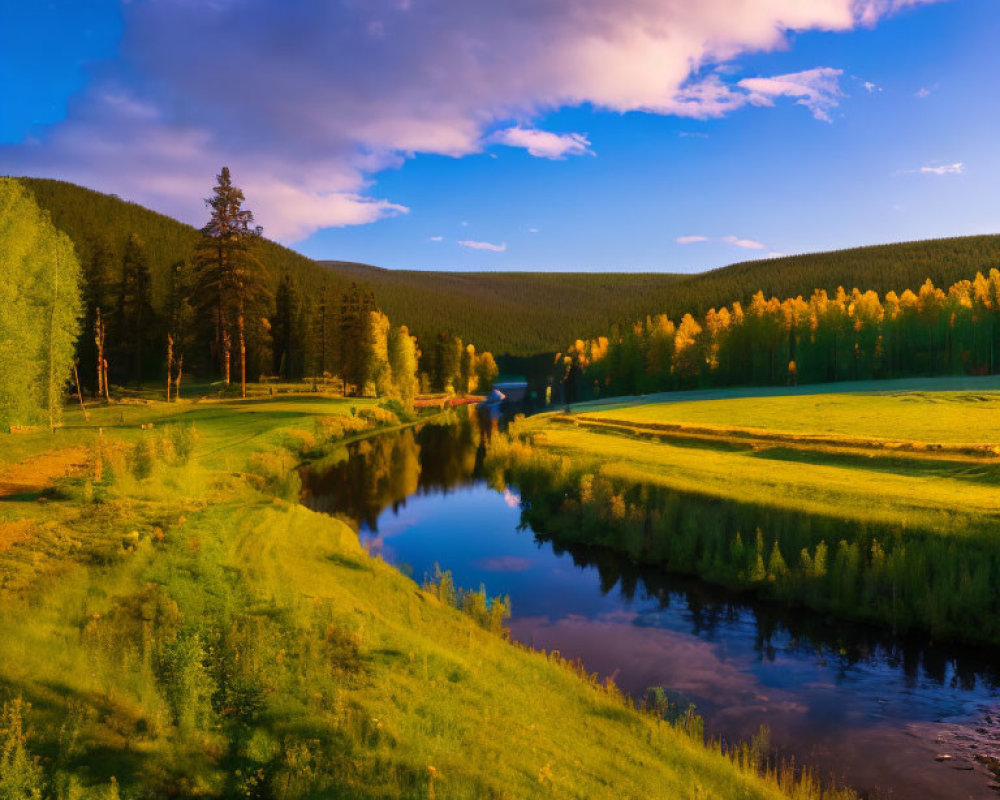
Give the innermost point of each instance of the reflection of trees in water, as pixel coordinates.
(382, 471)
(777, 627)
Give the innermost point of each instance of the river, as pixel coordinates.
(892, 717)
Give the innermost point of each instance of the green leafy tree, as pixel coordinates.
(39, 309)
(403, 356)
(375, 353)
(486, 372)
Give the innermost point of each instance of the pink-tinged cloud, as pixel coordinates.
(749, 244)
(544, 144)
(493, 248)
(946, 169)
(691, 239)
(306, 100)
(816, 89)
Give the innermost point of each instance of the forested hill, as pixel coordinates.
(519, 313)
(94, 220)
(522, 313)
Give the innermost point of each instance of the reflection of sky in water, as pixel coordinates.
(866, 720)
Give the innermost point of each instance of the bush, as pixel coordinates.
(184, 682)
(142, 459)
(182, 439)
(20, 774)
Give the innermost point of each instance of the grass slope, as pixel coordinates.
(523, 313)
(190, 634)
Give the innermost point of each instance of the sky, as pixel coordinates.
(636, 135)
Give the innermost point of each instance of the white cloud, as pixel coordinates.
(750, 244)
(342, 90)
(494, 248)
(946, 169)
(532, 230)
(816, 89)
(775, 254)
(437, 238)
(691, 239)
(544, 144)
(924, 91)
(871, 88)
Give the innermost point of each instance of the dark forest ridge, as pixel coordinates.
(520, 313)
(524, 313)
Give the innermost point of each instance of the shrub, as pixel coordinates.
(182, 439)
(142, 459)
(20, 774)
(184, 682)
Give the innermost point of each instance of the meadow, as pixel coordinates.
(173, 623)
(881, 506)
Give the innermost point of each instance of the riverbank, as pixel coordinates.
(173, 623)
(843, 503)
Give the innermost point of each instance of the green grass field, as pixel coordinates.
(180, 627)
(939, 410)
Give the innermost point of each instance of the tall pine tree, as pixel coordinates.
(232, 288)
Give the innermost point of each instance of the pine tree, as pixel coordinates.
(135, 318)
(232, 287)
(180, 320)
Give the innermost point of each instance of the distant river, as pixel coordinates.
(875, 712)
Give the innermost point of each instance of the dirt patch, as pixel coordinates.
(37, 474)
(13, 532)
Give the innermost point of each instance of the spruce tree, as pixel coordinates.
(232, 288)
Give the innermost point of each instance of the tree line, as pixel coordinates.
(221, 315)
(847, 335)
(527, 313)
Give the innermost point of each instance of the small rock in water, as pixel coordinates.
(942, 757)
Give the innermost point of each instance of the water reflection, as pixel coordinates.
(863, 705)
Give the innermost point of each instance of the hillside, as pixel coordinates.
(524, 313)
(92, 219)
(531, 312)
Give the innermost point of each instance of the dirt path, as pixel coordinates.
(37, 474)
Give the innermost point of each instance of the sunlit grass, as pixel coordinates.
(318, 671)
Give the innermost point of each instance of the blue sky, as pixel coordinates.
(896, 139)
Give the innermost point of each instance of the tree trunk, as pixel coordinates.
(227, 345)
(243, 355)
(52, 354)
(79, 392)
(180, 372)
(170, 363)
(99, 341)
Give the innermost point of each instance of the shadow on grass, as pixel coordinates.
(987, 474)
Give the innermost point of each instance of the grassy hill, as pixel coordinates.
(174, 628)
(530, 312)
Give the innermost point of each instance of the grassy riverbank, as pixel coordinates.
(173, 624)
(880, 506)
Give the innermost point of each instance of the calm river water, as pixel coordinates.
(871, 710)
